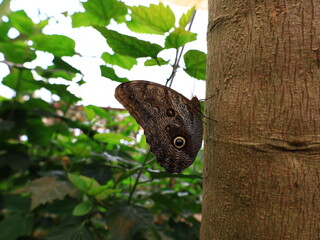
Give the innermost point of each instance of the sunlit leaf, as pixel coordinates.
(155, 19)
(156, 62)
(17, 52)
(129, 46)
(93, 111)
(186, 17)
(99, 13)
(111, 74)
(46, 189)
(195, 62)
(58, 45)
(119, 60)
(21, 22)
(179, 37)
(21, 81)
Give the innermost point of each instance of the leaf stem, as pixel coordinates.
(179, 55)
(138, 177)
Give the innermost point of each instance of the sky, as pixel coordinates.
(90, 45)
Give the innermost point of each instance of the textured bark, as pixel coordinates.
(262, 152)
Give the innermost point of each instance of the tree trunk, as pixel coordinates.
(262, 148)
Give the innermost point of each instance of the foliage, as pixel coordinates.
(71, 172)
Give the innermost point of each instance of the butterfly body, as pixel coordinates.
(172, 123)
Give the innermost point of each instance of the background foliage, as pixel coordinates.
(73, 172)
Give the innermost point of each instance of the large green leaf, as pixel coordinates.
(195, 62)
(17, 52)
(21, 81)
(179, 37)
(58, 45)
(9, 229)
(99, 13)
(21, 22)
(155, 19)
(129, 46)
(119, 60)
(110, 73)
(125, 220)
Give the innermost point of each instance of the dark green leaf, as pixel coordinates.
(38, 133)
(70, 231)
(186, 17)
(129, 46)
(195, 62)
(110, 73)
(16, 225)
(119, 60)
(99, 13)
(62, 91)
(21, 22)
(179, 37)
(18, 161)
(82, 208)
(124, 221)
(58, 45)
(156, 62)
(155, 19)
(17, 52)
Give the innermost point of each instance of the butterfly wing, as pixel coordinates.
(172, 123)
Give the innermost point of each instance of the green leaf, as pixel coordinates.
(179, 37)
(155, 19)
(38, 133)
(119, 60)
(70, 231)
(82, 208)
(62, 91)
(124, 221)
(129, 46)
(45, 190)
(186, 17)
(111, 138)
(60, 69)
(9, 229)
(58, 45)
(4, 29)
(21, 22)
(17, 52)
(83, 183)
(156, 62)
(92, 111)
(110, 73)
(195, 62)
(99, 13)
(21, 81)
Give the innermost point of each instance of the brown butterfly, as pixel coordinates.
(172, 123)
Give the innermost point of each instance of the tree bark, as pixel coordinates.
(262, 148)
